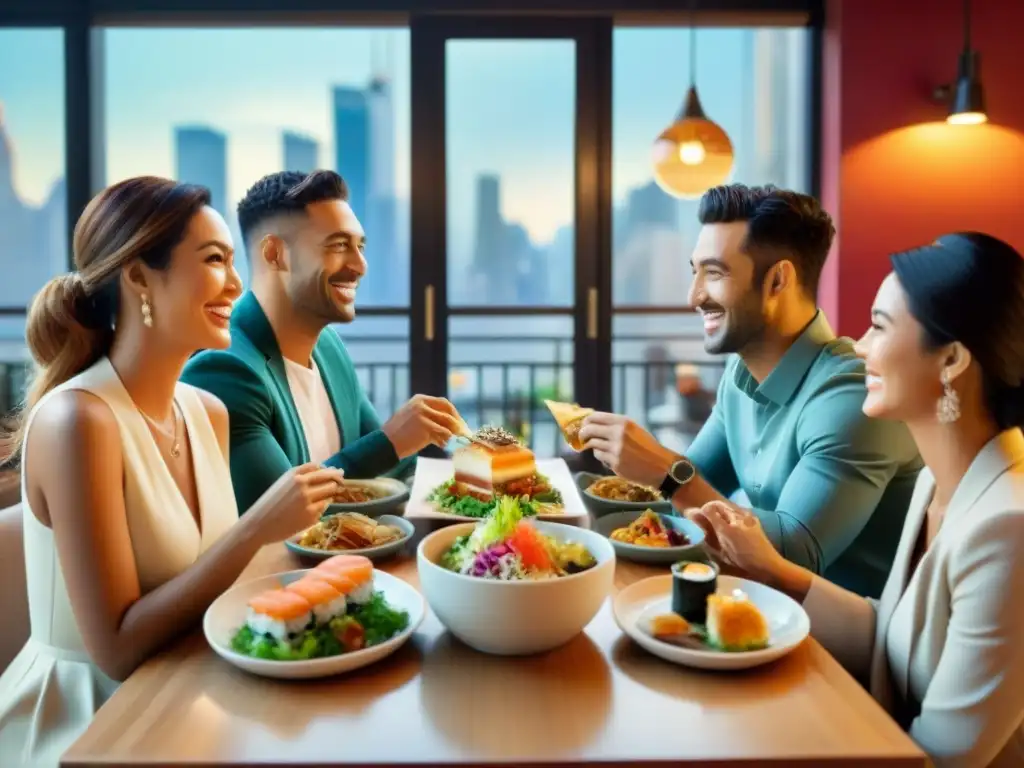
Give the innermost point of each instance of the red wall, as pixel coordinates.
(894, 174)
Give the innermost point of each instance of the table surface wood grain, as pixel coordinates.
(598, 700)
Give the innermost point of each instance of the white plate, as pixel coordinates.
(430, 473)
(788, 623)
(227, 615)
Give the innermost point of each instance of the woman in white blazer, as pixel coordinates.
(943, 648)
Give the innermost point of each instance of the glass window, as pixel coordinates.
(753, 83)
(339, 99)
(510, 177)
(33, 197)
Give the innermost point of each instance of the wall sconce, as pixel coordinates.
(965, 97)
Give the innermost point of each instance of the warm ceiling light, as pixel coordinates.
(694, 153)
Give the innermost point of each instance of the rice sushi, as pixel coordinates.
(328, 601)
(692, 583)
(279, 613)
(354, 572)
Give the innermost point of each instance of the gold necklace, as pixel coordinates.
(174, 436)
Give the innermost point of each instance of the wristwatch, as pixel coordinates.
(679, 474)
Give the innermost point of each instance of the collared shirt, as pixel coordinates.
(830, 485)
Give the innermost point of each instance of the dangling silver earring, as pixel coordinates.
(948, 409)
(147, 312)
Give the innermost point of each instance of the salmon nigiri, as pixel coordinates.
(327, 600)
(356, 568)
(278, 613)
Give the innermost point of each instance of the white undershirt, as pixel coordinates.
(315, 412)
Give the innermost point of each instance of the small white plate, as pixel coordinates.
(227, 614)
(431, 473)
(788, 623)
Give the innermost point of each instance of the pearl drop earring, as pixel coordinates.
(147, 312)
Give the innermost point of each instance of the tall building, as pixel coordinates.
(301, 153)
(383, 262)
(33, 240)
(201, 157)
(352, 144)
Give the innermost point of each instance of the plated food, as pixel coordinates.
(350, 493)
(509, 548)
(495, 464)
(702, 617)
(617, 489)
(349, 530)
(653, 538)
(649, 530)
(569, 417)
(331, 610)
(699, 618)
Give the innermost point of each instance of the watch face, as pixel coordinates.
(682, 472)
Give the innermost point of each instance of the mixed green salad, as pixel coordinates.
(451, 498)
(508, 547)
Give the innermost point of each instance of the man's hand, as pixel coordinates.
(422, 421)
(627, 449)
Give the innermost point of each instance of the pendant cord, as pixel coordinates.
(693, 44)
(967, 25)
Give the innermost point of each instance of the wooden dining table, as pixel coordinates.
(599, 700)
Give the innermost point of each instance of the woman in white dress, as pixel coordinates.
(943, 648)
(130, 523)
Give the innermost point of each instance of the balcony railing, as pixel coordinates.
(671, 398)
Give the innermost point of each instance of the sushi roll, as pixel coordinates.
(357, 570)
(692, 583)
(279, 613)
(736, 624)
(327, 600)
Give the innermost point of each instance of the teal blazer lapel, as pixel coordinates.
(252, 321)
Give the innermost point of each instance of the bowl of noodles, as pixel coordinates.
(604, 494)
(374, 497)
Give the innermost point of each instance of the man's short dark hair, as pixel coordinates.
(286, 192)
(781, 224)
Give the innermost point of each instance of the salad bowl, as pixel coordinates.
(509, 610)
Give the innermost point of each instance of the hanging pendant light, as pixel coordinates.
(968, 103)
(694, 153)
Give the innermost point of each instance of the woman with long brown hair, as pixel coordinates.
(130, 522)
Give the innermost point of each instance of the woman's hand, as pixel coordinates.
(735, 538)
(295, 502)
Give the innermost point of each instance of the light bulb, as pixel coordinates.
(692, 152)
(966, 118)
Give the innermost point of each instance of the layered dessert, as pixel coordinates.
(493, 464)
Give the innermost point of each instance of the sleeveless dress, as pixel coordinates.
(50, 692)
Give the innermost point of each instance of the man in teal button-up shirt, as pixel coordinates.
(830, 486)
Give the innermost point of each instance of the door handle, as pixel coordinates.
(428, 313)
(592, 313)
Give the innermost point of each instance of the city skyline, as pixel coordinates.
(139, 120)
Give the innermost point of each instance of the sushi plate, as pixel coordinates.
(431, 473)
(227, 614)
(788, 623)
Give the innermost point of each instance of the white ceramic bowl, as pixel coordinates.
(512, 618)
(228, 612)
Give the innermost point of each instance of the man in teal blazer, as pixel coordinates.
(287, 380)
